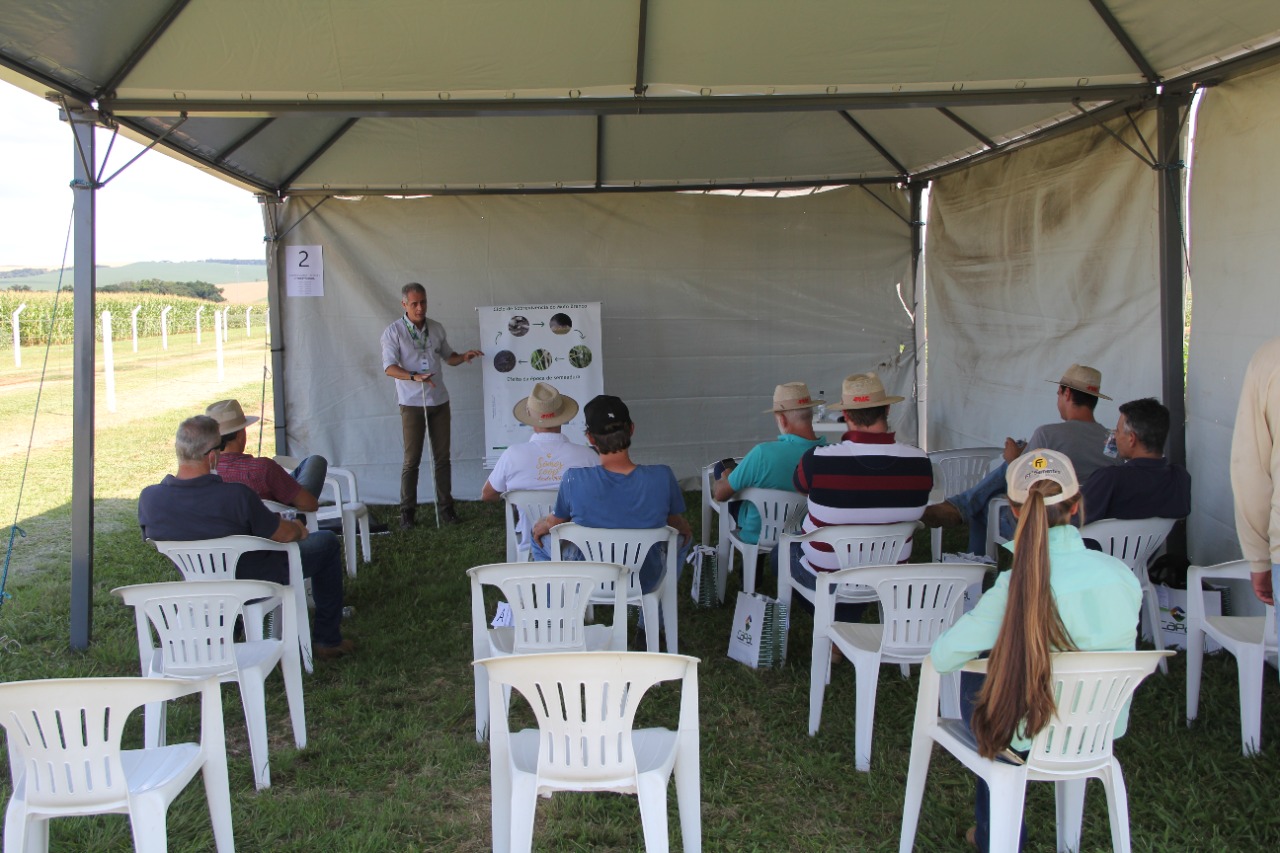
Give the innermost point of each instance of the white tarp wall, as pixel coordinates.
(707, 303)
(1035, 261)
(1235, 263)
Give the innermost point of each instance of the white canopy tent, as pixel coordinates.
(541, 131)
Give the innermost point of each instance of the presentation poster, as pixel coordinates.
(525, 344)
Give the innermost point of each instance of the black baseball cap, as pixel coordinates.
(606, 414)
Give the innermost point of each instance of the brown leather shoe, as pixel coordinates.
(406, 519)
(449, 516)
(971, 836)
(942, 514)
(346, 647)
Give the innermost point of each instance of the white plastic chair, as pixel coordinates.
(585, 704)
(310, 519)
(1135, 542)
(854, 545)
(216, 559)
(1251, 639)
(917, 603)
(532, 504)
(1092, 689)
(955, 471)
(340, 485)
(712, 507)
(65, 759)
(195, 626)
(548, 604)
(994, 537)
(776, 507)
(628, 547)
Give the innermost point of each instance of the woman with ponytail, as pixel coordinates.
(1058, 597)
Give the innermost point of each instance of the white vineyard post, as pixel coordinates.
(248, 333)
(218, 320)
(108, 361)
(133, 322)
(17, 337)
(199, 311)
(164, 326)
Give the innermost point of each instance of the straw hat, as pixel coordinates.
(864, 391)
(545, 407)
(1036, 465)
(230, 416)
(1084, 379)
(790, 396)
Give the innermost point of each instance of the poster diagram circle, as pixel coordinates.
(505, 361)
(540, 359)
(561, 324)
(580, 356)
(518, 325)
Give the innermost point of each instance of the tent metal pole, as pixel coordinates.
(272, 209)
(83, 356)
(918, 314)
(1172, 296)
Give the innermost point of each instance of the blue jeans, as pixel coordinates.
(973, 506)
(845, 612)
(652, 570)
(322, 562)
(970, 684)
(310, 474)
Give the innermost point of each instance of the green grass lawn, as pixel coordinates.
(392, 762)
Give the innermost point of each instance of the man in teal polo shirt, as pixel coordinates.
(771, 465)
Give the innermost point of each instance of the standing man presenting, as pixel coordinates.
(1255, 469)
(413, 351)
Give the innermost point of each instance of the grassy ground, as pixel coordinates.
(392, 762)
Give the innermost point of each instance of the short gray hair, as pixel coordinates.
(411, 287)
(196, 437)
(798, 417)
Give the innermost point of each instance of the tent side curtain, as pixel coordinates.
(707, 303)
(1039, 260)
(1235, 204)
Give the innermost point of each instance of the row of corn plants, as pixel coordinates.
(34, 322)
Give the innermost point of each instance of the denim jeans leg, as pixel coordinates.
(322, 562)
(972, 504)
(970, 684)
(310, 474)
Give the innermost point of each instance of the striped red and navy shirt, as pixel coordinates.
(868, 478)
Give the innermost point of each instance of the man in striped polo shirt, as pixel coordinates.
(868, 478)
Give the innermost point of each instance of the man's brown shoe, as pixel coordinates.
(942, 514)
(346, 647)
(449, 516)
(406, 519)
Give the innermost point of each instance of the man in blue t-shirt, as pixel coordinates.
(771, 465)
(617, 493)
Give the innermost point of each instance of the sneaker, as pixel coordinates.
(942, 514)
(449, 516)
(346, 647)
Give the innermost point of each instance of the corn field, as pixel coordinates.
(34, 322)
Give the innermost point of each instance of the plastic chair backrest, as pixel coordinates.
(954, 471)
(1091, 689)
(532, 504)
(585, 704)
(548, 601)
(776, 508)
(625, 546)
(863, 544)
(195, 623)
(1132, 540)
(918, 601)
(64, 736)
(215, 559)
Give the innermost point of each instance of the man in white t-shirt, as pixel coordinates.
(540, 462)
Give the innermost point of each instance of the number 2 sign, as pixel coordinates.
(304, 270)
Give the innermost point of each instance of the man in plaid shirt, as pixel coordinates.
(266, 477)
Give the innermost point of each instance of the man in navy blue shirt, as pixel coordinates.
(1145, 485)
(198, 504)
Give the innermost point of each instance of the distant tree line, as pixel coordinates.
(194, 289)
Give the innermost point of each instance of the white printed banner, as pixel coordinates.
(525, 344)
(304, 270)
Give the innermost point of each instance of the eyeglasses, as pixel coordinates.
(214, 448)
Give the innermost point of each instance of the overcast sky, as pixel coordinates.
(156, 210)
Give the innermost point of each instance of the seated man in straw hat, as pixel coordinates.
(868, 478)
(540, 462)
(1079, 437)
(299, 488)
(772, 465)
